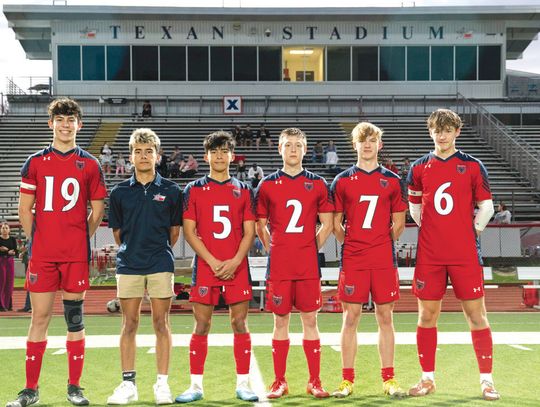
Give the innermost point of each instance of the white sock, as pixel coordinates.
(428, 376)
(486, 376)
(242, 380)
(196, 381)
(162, 378)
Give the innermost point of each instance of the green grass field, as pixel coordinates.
(516, 370)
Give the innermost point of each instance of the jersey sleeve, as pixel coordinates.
(336, 192)
(481, 188)
(176, 210)
(414, 185)
(249, 206)
(398, 200)
(326, 202)
(261, 201)
(115, 210)
(28, 178)
(96, 183)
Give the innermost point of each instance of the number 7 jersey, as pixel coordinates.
(63, 184)
(448, 191)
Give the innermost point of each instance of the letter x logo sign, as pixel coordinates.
(232, 104)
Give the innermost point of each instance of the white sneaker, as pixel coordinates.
(162, 393)
(124, 393)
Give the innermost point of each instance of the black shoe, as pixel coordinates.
(75, 396)
(24, 309)
(26, 397)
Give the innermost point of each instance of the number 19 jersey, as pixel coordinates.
(448, 190)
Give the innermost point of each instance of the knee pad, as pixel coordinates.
(73, 313)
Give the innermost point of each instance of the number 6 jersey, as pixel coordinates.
(448, 191)
(63, 184)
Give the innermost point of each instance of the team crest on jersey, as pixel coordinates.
(203, 291)
(461, 169)
(32, 278)
(308, 185)
(236, 193)
(277, 300)
(349, 289)
(383, 182)
(420, 285)
(80, 164)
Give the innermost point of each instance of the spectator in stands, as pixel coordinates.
(263, 135)
(255, 174)
(241, 171)
(106, 158)
(331, 155)
(146, 109)
(120, 165)
(189, 169)
(237, 135)
(404, 172)
(163, 164)
(503, 215)
(317, 155)
(8, 251)
(177, 161)
(247, 135)
(23, 255)
(389, 164)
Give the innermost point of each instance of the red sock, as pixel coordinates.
(75, 352)
(34, 357)
(198, 349)
(348, 374)
(242, 352)
(280, 350)
(483, 347)
(312, 349)
(426, 343)
(387, 373)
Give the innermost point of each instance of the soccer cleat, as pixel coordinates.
(243, 392)
(75, 395)
(26, 397)
(194, 393)
(488, 391)
(124, 393)
(422, 388)
(277, 389)
(345, 389)
(162, 394)
(315, 388)
(391, 388)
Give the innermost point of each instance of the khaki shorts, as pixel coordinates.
(158, 285)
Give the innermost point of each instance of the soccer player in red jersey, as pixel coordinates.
(289, 201)
(369, 216)
(219, 224)
(61, 181)
(444, 188)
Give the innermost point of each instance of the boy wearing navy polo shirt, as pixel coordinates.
(145, 214)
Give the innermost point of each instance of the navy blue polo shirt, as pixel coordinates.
(144, 215)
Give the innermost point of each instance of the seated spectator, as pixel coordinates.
(146, 109)
(404, 172)
(389, 164)
(176, 162)
(263, 135)
(129, 167)
(162, 166)
(189, 168)
(106, 158)
(255, 174)
(120, 165)
(317, 155)
(331, 154)
(503, 215)
(237, 135)
(241, 170)
(247, 135)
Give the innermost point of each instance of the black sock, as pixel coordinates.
(129, 376)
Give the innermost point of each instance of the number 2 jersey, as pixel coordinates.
(448, 190)
(220, 210)
(291, 205)
(367, 201)
(63, 184)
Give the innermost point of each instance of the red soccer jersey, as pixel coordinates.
(367, 201)
(448, 191)
(63, 184)
(220, 210)
(292, 205)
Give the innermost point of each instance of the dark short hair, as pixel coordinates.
(219, 139)
(64, 106)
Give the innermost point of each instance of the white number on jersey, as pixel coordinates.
(218, 209)
(441, 196)
(293, 227)
(64, 190)
(372, 199)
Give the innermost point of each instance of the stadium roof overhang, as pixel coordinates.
(32, 23)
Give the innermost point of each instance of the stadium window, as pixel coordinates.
(197, 63)
(245, 64)
(93, 63)
(392, 64)
(365, 63)
(442, 63)
(145, 63)
(270, 64)
(118, 63)
(466, 63)
(172, 63)
(338, 65)
(69, 63)
(221, 63)
(489, 63)
(418, 63)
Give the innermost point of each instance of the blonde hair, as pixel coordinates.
(144, 136)
(440, 119)
(293, 131)
(363, 130)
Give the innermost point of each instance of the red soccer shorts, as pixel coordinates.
(430, 281)
(45, 277)
(356, 284)
(305, 295)
(232, 294)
